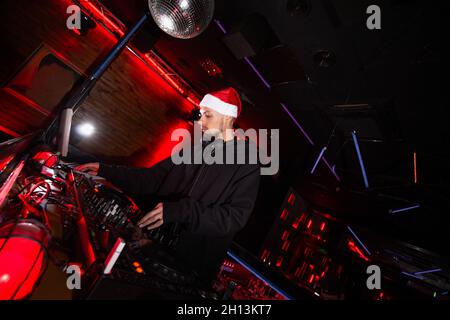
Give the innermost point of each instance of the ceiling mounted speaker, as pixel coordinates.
(183, 19)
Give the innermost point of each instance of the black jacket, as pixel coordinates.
(211, 202)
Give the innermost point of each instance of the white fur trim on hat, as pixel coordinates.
(218, 105)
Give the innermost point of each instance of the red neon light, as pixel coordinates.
(101, 16)
(9, 132)
(296, 223)
(309, 224)
(351, 245)
(285, 246)
(415, 167)
(77, 32)
(285, 235)
(279, 261)
(284, 214)
(27, 101)
(322, 226)
(291, 199)
(4, 162)
(311, 279)
(164, 74)
(194, 102)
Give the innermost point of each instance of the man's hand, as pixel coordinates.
(90, 168)
(153, 219)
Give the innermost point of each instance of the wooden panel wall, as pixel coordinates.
(132, 108)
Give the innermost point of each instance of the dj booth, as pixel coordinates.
(85, 230)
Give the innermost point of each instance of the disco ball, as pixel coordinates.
(183, 19)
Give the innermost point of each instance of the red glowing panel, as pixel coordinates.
(279, 262)
(286, 245)
(291, 199)
(285, 235)
(322, 226)
(296, 223)
(21, 264)
(284, 214)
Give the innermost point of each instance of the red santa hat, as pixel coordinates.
(226, 101)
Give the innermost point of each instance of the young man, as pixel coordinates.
(210, 202)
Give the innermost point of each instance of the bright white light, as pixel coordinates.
(85, 129)
(166, 23)
(184, 4)
(4, 278)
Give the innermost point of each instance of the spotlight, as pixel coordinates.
(85, 129)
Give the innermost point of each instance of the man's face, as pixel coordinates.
(212, 120)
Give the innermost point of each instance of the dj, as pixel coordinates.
(210, 202)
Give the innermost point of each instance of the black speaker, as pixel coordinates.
(251, 36)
